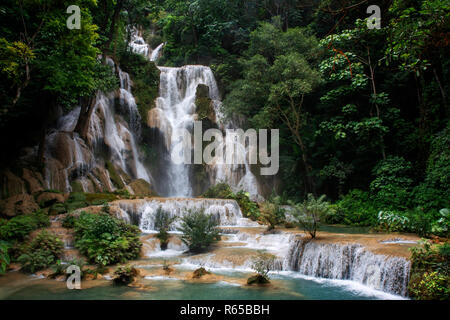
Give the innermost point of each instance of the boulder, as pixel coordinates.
(141, 188)
(34, 181)
(46, 199)
(18, 204)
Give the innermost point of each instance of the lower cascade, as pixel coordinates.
(349, 262)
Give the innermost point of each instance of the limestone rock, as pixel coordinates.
(18, 204)
(12, 185)
(141, 188)
(47, 199)
(34, 180)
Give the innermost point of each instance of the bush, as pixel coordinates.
(42, 252)
(262, 263)
(219, 191)
(248, 207)
(4, 256)
(358, 209)
(309, 213)
(163, 220)
(441, 227)
(19, 227)
(105, 240)
(69, 221)
(391, 186)
(430, 278)
(271, 213)
(124, 275)
(199, 230)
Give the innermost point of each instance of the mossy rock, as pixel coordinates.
(257, 279)
(115, 178)
(77, 196)
(71, 206)
(100, 198)
(57, 208)
(200, 272)
(76, 186)
(204, 105)
(141, 188)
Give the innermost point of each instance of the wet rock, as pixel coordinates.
(47, 199)
(12, 185)
(18, 204)
(200, 272)
(141, 188)
(34, 181)
(257, 279)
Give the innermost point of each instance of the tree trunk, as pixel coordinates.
(87, 107)
(112, 29)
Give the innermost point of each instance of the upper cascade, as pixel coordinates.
(70, 158)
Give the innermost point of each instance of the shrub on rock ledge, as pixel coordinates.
(125, 275)
(105, 240)
(262, 263)
(199, 230)
(200, 272)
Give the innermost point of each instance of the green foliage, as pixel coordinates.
(248, 207)
(4, 256)
(310, 212)
(262, 263)
(69, 221)
(42, 252)
(105, 240)
(199, 230)
(356, 208)
(391, 186)
(163, 220)
(430, 276)
(145, 78)
(19, 227)
(124, 275)
(219, 191)
(271, 213)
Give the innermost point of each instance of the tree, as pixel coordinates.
(309, 213)
(271, 213)
(163, 220)
(199, 230)
(262, 263)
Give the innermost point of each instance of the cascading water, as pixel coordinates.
(348, 262)
(177, 103)
(227, 212)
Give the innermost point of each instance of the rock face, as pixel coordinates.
(18, 204)
(46, 199)
(141, 188)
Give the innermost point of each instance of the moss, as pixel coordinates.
(200, 272)
(142, 188)
(100, 198)
(57, 208)
(76, 186)
(115, 178)
(204, 104)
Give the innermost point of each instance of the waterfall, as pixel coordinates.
(348, 262)
(156, 53)
(142, 213)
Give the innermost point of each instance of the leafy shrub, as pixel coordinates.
(106, 240)
(124, 275)
(310, 212)
(42, 252)
(358, 209)
(163, 220)
(335, 215)
(393, 221)
(271, 213)
(76, 201)
(248, 207)
(391, 186)
(19, 227)
(441, 227)
(262, 263)
(199, 230)
(430, 278)
(4, 256)
(219, 191)
(69, 221)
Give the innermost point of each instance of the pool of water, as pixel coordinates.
(284, 286)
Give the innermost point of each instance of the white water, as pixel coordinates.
(349, 262)
(156, 53)
(227, 212)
